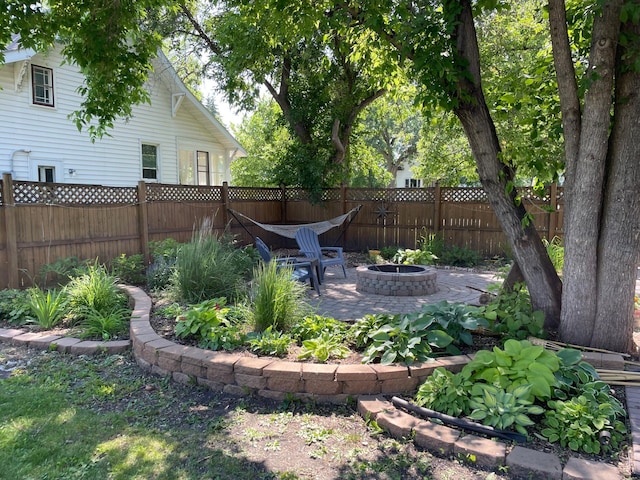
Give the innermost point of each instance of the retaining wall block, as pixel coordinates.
(399, 385)
(371, 405)
(481, 451)
(87, 347)
(251, 365)
(389, 372)
(581, 469)
(527, 463)
(44, 341)
(284, 384)
(291, 371)
(318, 371)
(257, 382)
(322, 387)
(356, 387)
(64, 344)
(398, 423)
(355, 372)
(455, 363)
(437, 438)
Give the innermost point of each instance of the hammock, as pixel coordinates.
(289, 231)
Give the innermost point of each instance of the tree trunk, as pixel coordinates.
(620, 229)
(583, 214)
(529, 252)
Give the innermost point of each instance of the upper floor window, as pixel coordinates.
(412, 182)
(42, 85)
(204, 175)
(149, 161)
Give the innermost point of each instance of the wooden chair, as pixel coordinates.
(301, 270)
(310, 247)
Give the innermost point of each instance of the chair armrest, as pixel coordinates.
(332, 249)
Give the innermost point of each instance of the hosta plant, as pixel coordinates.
(503, 409)
(312, 326)
(201, 318)
(512, 315)
(360, 332)
(445, 392)
(270, 342)
(323, 348)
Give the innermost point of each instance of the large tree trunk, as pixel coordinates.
(620, 227)
(529, 252)
(583, 214)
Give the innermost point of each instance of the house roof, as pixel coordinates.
(15, 53)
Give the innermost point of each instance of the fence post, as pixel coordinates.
(9, 204)
(437, 209)
(283, 203)
(553, 215)
(143, 221)
(225, 204)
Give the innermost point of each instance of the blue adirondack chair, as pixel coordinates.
(301, 270)
(310, 247)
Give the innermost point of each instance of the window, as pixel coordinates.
(149, 161)
(204, 176)
(46, 174)
(412, 183)
(186, 167)
(42, 85)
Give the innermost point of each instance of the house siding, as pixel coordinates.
(115, 160)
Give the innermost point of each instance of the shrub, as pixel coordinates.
(360, 332)
(414, 257)
(512, 315)
(129, 268)
(13, 306)
(47, 308)
(445, 392)
(270, 342)
(210, 267)
(207, 323)
(387, 253)
(459, 257)
(95, 290)
(315, 325)
(323, 348)
(61, 271)
(276, 299)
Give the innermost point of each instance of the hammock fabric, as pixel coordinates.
(289, 231)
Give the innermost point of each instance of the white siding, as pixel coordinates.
(53, 138)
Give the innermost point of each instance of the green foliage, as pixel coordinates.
(520, 363)
(276, 299)
(578, 422)
(502, 409)
(313, 326)
(387, 253)
(129, 268)
(162, 268)
(323, 348)
(104, 325)
(14, 306)
(210, 266)
(512, 315)
(405, 340)
(555, 250)
(407, 256)
(95, 290)
(200, 319)
(451, 255)
(61, 271)
(360, 332)
(270, 342)
(47, 307)
(445, 392)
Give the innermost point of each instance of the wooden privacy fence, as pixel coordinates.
(44, 222)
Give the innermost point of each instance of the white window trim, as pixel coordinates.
(32, 102)
(158, 162)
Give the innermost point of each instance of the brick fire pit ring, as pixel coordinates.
(396, 280)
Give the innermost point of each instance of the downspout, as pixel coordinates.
(13, 154)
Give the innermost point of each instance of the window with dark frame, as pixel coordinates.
(149, 161)
(46, 174)
(204, 169)
(42, 86)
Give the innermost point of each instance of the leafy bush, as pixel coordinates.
(414, 257)
(459, 257)
(13, 306)
(104, 324)
(313, 326)
(207, 323)
(270, 342)
(387, 253)
(405, 339)
(47, 307)
(512, 315)
(277, 299)
(162, 268)
(95, 290)
(555, 250)
(129, 268)
(360, 332)
(323, 348)
(209, 267)
(445, 392)
(61, 271)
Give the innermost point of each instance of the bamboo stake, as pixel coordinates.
(560, 345)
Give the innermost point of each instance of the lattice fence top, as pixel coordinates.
(391, 195)
(183, 193)
(35, 193)
(466, 194)
(255, 194)
(327, 195)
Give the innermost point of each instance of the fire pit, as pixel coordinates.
(396, 280)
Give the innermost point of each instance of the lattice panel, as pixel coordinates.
(183, 193)
(65, 194)
(463, 195)
(414, 195)
(370, 195)
(299, 194)
(255, 194)
(530, 194)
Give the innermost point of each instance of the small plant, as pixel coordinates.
(224, 337)
(313, 326)
(271, 342)
(555, 250)
(445, 392)
(61, 271)
(129, 268)
(360, 332)
(414, 257)
(512, 315)
(502, 409)
(459, 257)
(323, 348)
(387, 253)
(104, 324)
(94, 290)
(405, 340)
(13, 306)
(201, 318)
(277, 299)
(48, 308)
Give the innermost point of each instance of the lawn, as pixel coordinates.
(66, 417)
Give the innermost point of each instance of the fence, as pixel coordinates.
(43, 222)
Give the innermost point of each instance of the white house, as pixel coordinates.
(173, 140)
